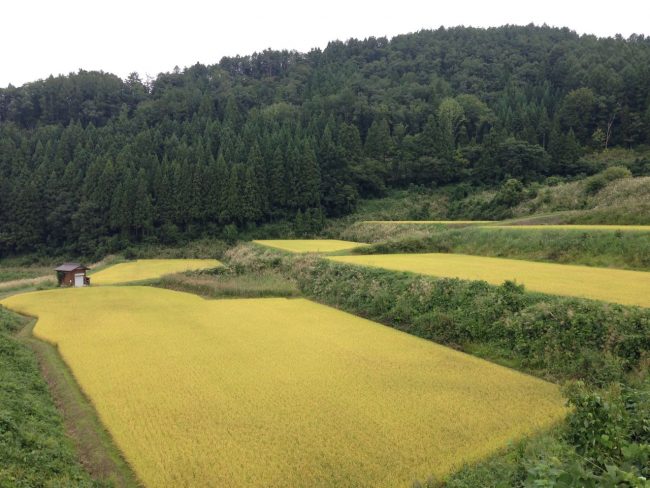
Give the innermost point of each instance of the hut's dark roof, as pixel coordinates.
(70, 267)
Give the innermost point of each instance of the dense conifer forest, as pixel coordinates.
(91, 162)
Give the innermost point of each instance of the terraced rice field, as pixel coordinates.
(148, 269)
(430, 222)
(310, 245)
(636, 228)
(611, 285)
(277, 392)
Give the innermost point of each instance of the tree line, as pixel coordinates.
(89, 161)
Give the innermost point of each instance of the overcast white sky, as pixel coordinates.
(39, 38)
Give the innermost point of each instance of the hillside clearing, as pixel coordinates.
(148, 269)
(293, 393)
(611, 285)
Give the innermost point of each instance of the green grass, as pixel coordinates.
(626, 250)
(507, 468)
(22, 272)
(595, 227)
(206, 248)
(11, 287)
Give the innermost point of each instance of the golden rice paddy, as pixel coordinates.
(612, 285)
(310, 245)
(636, 228)
(277, 392)
(429, 222)
(148, 269)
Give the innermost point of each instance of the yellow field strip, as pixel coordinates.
(276, 392)
(429, 222)
(612, 285)
(310, 245)
(636, 228)
(148, 269)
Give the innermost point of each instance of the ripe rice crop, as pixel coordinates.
(636, 228)
(429, 222)
(148, 269)
(310, 245)
(611, 285)
(277, 392)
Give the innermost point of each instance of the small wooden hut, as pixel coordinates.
(72, 274)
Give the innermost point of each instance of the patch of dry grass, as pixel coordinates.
(252, 285)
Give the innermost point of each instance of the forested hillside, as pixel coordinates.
(91, 162)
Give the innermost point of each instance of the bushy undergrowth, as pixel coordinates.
(597, 182)
(629, 249)
(374, 232)
(198, 249)
(603, 443)
(34, 450)
(611, 431)
(595, 200)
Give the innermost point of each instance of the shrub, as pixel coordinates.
(597, 182)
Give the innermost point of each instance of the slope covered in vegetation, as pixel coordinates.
(91, 163)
